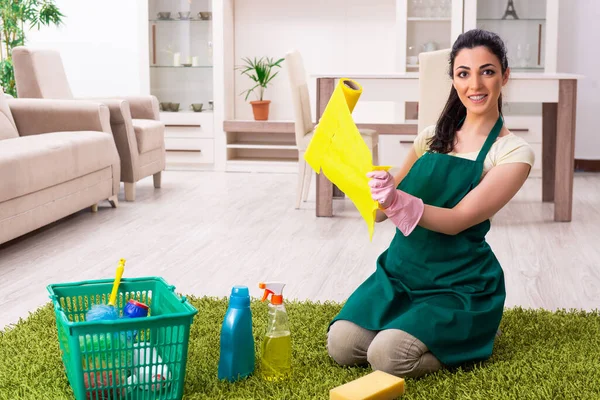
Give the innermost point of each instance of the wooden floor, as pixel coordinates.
(205, 232)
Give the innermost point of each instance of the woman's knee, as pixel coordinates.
(399, 353)
(347, 343)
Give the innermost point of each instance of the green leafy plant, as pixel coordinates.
(261, 72)
(14, 16)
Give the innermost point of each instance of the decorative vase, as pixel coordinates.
(260, 108)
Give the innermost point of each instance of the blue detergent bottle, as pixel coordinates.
(236, 359)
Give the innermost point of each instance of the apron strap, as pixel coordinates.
(490, 139)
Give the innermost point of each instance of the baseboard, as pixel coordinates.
(587, 165)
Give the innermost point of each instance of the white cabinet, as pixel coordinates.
(529, 127)
(393, 149)
(189, 140)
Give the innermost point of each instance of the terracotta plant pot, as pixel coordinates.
(260, 108)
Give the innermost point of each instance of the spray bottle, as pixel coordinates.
(236, 360)
(276, 356)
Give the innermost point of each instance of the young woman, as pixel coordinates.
(437, 295)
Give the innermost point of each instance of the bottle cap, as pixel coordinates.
(240, 291)
(138, 304)
(240, 296)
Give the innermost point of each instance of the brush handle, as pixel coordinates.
(113, 294)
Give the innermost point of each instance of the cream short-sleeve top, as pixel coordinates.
(506, 149)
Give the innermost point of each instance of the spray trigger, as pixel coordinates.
(275, 289)
(267, 293)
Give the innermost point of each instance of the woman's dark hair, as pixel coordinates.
(454, 110)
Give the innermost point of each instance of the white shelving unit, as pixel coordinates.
(261, 146)
(180, 40)
(245, 148)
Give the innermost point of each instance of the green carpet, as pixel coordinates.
(540, 355)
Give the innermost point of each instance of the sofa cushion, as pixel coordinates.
(32, 163)
(8, 129)
(149, 134)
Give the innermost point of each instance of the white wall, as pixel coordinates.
(578, 52)
(332, 35)
(101, 45)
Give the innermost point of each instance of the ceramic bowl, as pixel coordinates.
(174, 107)
(197, 107)
(165, 106)
(164, 15)
(205, 15)
(184, 14)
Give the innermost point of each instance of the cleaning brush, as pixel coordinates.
(103, 312)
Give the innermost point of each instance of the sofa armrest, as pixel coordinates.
(140, 107)
(122, 129)
(35, 116)
(143, 107)
(119, 109)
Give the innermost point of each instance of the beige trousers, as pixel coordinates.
(391, 350)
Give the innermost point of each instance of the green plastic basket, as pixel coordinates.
(138, 358)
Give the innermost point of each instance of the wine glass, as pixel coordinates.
(527, 55)
(519, 55)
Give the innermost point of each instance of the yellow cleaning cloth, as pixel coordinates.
(338, 149)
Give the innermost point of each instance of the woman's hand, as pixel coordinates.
(410, 159)
(403, 209)
(383, 187)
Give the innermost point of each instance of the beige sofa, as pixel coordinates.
(135, 120)
(56, 157)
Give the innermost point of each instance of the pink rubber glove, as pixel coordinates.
(403, 209)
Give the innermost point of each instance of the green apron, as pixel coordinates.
(447, 291)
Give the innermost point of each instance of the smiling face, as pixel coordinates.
(478, 79)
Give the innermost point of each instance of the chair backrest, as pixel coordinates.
(301, 101)
(434, 86)
(40, 74)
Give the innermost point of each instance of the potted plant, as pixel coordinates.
(261, 72)
(15, 17)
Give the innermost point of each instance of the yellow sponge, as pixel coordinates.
(377, 385)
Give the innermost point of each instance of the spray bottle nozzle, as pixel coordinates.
(275, 289)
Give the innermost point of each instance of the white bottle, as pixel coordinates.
(131, 384)
(151, 373)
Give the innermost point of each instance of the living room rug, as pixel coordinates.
(540, 355)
